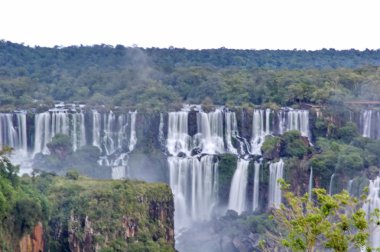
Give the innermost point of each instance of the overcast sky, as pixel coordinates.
(247, 24)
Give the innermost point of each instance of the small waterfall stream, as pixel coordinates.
(256, 187)
(276, 171)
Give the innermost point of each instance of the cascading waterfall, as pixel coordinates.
(210, 132)
(238, 191)
(193, 179)
(373, 202)
(256, 183)
(193, 182)
(276, 171)
(260, 129)
(294, 119)
(178, 140)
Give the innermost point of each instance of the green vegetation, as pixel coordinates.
(326, 222)
(77, 211)
(161, 79)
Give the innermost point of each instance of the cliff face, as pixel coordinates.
(88, 215)
(33, 242)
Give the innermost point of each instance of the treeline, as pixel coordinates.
(161, 79)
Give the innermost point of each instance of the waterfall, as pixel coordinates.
(260, 129)
(366, 118)
(193, 179)
(256, 183)
(133, 137)
(373, 202)
(96, 128)
(370, 124)
(78, 131)
(331, 183)
(13, 132)
(310, 183)
(210, 132)
(231, 131)
(42, 134)
(194, 185)
(276, 171)
(178, 140)
(58, 121)
(238, 191)
(108, 136)
(294, 119)
(349, 186)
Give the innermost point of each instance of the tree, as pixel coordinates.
(334, 222)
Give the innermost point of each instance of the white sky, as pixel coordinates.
(247, 24)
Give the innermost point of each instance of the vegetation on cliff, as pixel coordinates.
(85, 214)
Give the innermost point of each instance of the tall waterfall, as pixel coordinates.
(276, 171)
(294, 119)
(238, 191)
(256, 183)
(193, 179)
(373, 202)
(260, 129)
(370, 124)
(194, 185)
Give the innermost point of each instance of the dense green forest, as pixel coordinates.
(158, 79)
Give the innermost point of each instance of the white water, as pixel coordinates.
(210, 132)
(276, 171)
(96, 128)
(256, 186)
(260, 129)
(310, 183)
(133, 137)
(331, 183)
(178, 140)
(294, 119)
(373, 202)
(231, 131)
(370, 124)
(238, 190)
(13, 134)
(194, 185)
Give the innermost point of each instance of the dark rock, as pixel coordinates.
(196, 151)
(181, 154)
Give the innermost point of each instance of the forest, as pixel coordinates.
(161, 79)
